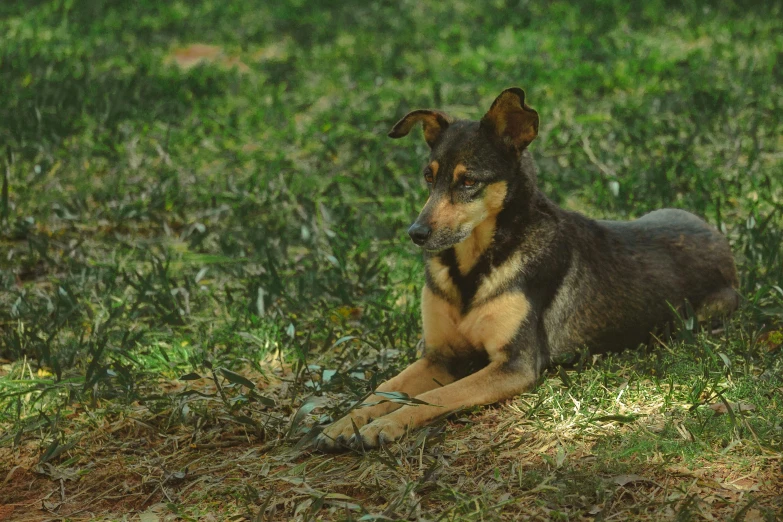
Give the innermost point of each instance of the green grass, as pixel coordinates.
(245, 218)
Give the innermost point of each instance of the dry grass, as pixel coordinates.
(529, 458)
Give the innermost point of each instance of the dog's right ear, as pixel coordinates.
(512, 120)
(433, 122)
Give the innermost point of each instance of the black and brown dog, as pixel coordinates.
(513, 281)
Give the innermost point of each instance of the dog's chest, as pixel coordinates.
(470, 289)
(490, 326)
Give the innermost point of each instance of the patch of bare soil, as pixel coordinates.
(509, 469)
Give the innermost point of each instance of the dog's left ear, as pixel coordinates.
(512, 120)
(434, 123)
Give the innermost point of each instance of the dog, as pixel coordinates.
(514, 282)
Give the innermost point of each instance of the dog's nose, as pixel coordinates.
(419, 233)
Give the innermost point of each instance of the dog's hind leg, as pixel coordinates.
(717, 305)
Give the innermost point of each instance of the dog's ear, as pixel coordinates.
(512, 120)
(433, 122)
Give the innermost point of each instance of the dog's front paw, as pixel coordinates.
(335, 437)
(380, 432)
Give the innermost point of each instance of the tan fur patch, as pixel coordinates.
(419, 377)
(489, 326)
(442, 280)
(432, 129)
(488, 385)
(459, 170)
(440, 320)
(452, 216)
(497, 278)
(434, 166)
(513, 122)
(469, 250)
(433, 122)
(494, 324)
(496, 194)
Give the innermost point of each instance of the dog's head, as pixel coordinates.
(472, 169)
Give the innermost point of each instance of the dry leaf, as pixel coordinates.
(720, 408)
(192, 55)
(682, 470)
(754, 515)
(622, 480)
(743, 484)
(148, 517)
(6, 510)
(196, 54)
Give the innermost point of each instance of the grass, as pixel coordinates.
(203, 256)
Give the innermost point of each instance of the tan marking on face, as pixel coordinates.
(482, 220)
(494, 324)
(459, 170)
(469, 250)
(442, 280)
(440, 320)
(494, 197)
(452, 216)
(434, 166)
(495, 281)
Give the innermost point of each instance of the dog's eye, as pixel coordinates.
(467, 182)
(428, 177)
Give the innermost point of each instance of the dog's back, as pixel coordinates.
(624, 277)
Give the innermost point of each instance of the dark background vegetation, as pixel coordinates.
(239, 220)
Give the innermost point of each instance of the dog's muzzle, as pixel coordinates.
(419, 233)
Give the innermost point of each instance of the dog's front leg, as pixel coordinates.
(419, 377)
(497, 381)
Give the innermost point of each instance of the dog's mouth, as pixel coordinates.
(441, 240)
(434, 250)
